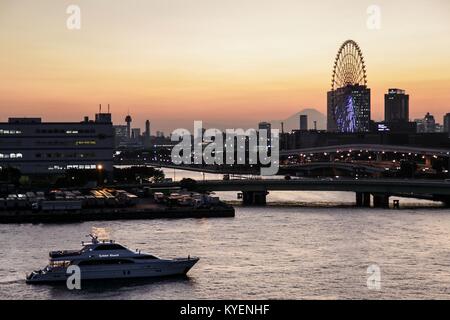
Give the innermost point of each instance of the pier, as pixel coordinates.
(28, 216)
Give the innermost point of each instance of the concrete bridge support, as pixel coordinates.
(254, 198)
(379, 157)
(381, 200)
(428, 161)
(363, 199)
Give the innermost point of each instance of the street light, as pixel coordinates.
(100, 175)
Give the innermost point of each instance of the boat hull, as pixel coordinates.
(157, 268)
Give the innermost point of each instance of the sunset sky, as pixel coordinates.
(233, 63)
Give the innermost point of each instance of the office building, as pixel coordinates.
(303, 123)
(128, 122)
(447, 123)
(147, 132)
(429, 123)
(37, 147)
(136, 134)
(147, 135)
(120, 133)
(348, 109)
(396, 106)
(268, 137)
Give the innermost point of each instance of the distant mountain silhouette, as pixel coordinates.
(293, 122)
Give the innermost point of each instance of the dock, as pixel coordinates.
(59, 206)
(105, 214)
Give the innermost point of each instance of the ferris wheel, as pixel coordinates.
(349, 66)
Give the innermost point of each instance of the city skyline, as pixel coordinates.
(161, 63)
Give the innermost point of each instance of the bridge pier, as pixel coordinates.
(380, 200)
(379, 157)
(359, 199)
(428, 161)
(363, 199)
(254, 198)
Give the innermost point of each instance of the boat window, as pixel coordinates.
(103, 262)
(109, 247)
(64, 253)
(56, 264)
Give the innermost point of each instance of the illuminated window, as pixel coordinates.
(8, 132)
(85, 143)
(11, 155)
(81, 166)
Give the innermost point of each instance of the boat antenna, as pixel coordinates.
(94, 238)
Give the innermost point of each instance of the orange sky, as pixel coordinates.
(236, 62)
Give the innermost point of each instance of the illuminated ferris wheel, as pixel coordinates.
(349, 77)
(349, 67)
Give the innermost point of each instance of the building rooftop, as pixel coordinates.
(24, 120)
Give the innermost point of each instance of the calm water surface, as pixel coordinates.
(280, 252)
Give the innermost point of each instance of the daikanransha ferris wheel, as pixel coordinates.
(349, 98)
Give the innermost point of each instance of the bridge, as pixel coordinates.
(344, 166)
(331, 157)
(254, 192)
(444, 152)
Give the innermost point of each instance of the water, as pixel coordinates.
(277, 252)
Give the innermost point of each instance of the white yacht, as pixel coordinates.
(109, 260)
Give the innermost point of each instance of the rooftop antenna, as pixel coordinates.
(282, 127)
(100, 108)
(108, 107)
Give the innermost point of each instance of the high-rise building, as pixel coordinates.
(135, 134)
(147, 129)
(264, 125)
(349, 109)
(419, 125)
(429, 123)
(447, 123)
(303, 122)
(396, 106)
(268, 127)
(120, 133)
(128, 121)
(147, 135)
